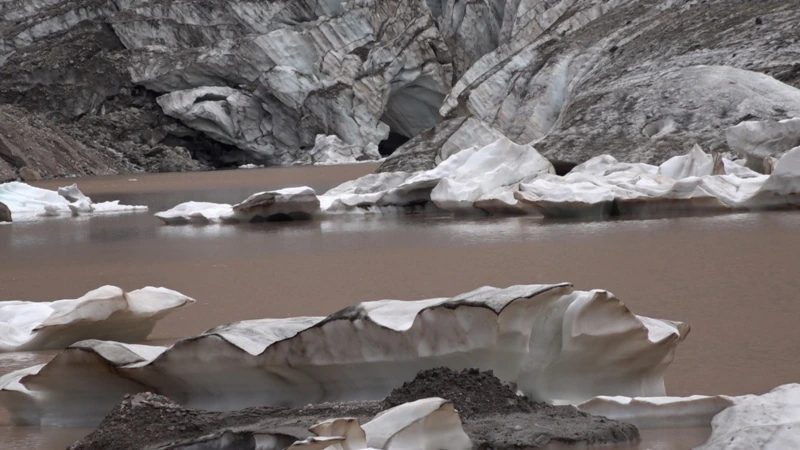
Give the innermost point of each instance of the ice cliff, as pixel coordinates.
(145, 84)
(554, 342)
(104, 313)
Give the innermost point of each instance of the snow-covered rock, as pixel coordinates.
(104, 313)
(768, 421)
(758, 140)
(426, 424)
(25, 201)
(298, 203)
(554, 342)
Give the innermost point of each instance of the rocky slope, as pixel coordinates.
(145, 84)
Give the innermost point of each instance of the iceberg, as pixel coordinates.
(555, 343)
(25, 201)
(104, 313)
(473, 180)
(297, 203)
(504, 178)
(689, 184)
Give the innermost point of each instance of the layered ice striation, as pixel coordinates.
(104, 313)
(554, 342)
(26, 201)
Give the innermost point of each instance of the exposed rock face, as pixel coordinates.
(231, 82)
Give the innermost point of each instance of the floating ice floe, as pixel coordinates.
(426, 424)
(554, 342)
(26, 201)
(506, 178)
(104, 313)
(473, 180)
(299, 203)
(682, 185)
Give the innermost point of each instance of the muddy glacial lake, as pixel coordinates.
(733, 278)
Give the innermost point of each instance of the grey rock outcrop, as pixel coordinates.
(229, 82)
(5, 213)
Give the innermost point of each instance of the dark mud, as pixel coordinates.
(492, 415)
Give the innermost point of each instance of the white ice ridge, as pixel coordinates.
(506, 178)
(298, 203)
(27, 201)
(696, 182)
(554, 342)
(769, 421)
(104, 313)
(426, 424)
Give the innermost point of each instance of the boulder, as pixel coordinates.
(5, 213)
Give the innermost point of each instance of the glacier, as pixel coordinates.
(554, 342)
(104, 313)
(27, 202)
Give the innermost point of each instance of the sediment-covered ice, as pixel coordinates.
(298, 203)
(104, 313)
(554, 342)
(25, 201)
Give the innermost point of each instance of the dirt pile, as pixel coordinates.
(473, 393)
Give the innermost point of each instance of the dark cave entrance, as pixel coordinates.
(392, 143)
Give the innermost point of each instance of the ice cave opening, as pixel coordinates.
(411, 109)
(392, 142)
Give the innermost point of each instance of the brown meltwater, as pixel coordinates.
(732, 278)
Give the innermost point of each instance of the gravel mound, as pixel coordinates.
(473, 393)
